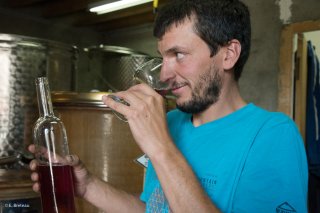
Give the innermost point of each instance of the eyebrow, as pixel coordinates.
(173, 49)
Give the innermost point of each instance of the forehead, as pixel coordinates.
(179, 34)
(185, 25)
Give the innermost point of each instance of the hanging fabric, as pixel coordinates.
(313, 129)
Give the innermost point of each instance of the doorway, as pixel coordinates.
(293, 98)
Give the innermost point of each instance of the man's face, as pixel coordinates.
(187, 65)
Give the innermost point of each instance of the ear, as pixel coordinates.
(233, 50)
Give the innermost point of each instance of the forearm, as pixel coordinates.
(180, 185)
(112, 200)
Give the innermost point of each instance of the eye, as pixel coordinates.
(179, 55)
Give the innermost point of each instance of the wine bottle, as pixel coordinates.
(50, 139)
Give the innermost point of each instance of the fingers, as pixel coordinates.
(145, 88)
(115, 102)
(36, 187)
(134, 94)
(33, 165)
(34, 175)
(32, 148)
(46, 155)
(134, 97)
(41, 150)
(73, 160)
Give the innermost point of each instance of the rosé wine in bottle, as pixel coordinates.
(50, 139)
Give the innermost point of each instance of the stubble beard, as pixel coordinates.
(205, 93)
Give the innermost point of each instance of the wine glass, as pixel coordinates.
(148, 73)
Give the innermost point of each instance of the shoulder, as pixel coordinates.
(276, 131)
(279, 135)
(276, 165)
(280, 121)
(274, 119)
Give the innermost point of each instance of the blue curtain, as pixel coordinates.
(313, 129)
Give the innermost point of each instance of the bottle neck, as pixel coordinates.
(44, 97)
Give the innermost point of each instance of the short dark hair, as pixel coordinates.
(216, 22)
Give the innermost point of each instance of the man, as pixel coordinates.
(215, 153)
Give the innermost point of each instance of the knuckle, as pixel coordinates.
(150, 99)
(134, 114)
(34, 176)
(113, 106)
(33, 165)
(144, 107)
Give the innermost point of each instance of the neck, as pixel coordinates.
(44, 97)
(229, 101)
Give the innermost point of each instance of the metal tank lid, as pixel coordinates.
(78, 99)
(115, 50)
(7, 40)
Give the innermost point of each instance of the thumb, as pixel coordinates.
(73, 160)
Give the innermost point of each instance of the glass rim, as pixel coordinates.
(138, 69)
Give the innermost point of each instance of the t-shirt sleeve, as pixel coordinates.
(275, 175)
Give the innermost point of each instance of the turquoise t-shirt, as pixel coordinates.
(248, 161)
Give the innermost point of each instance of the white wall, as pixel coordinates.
(314, 37)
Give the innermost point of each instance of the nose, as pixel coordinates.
(167, 72)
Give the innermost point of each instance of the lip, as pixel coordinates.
(177, 90)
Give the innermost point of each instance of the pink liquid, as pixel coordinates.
(62, 197)
(162, 92)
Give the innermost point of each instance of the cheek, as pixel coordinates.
(193, 71)
(188, 70)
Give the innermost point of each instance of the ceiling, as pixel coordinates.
(74, 13)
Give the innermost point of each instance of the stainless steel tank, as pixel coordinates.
(114, 65)
(22, 59)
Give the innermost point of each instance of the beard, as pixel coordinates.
(206, 92)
